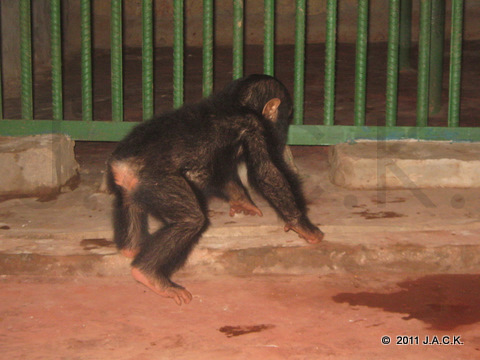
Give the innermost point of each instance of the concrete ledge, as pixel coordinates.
(405, 165)
(417, 251)
(33, 165)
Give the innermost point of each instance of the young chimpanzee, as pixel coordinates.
(166, 167)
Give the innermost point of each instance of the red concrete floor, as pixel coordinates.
(340, 316)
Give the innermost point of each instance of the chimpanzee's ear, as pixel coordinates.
(270, 110)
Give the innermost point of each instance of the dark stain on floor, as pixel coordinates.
(231, 331)
(379, 215)
(389, 201)
(91, 244)
(443, 301)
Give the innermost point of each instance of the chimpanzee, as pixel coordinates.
(168, 166)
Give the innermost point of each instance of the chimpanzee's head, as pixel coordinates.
(268, 96)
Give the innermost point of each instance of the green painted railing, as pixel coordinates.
(147, 60)
(86, 60)
(392, 63)
(269, 38)
(455, 64)
(207, 47)
(430, 70)
(238, 39)
(178, 50)
(330, 58)
(299, 60)
(56, 41)
(26, 59)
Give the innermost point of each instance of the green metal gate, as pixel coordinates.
(429, 72)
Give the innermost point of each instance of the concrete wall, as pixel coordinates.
(285, 26)
(10, 40)
(285, 21)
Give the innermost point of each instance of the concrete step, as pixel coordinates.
(424, 230)
(441, 251)
(405, 165)
(39, 164)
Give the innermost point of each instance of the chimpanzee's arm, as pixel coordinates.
(272, 177)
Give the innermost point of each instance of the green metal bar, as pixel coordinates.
(116, 60)
(237, 39)
(207, 47)
(298, 134)
(269, 37)
(361, 63)
(147, 59)
(392, 63)
(423, 62)
(455, 64)
(1, 78)
(405, 34)
(436, 55)
(1, 92)
(178, 49)
(26, 59)
(56, 59)
(86, 60)
(330, 58)
(299, 62)
(331, 135)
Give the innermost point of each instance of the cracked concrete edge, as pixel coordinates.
(257, 250)
(239, 237)
(297, 260)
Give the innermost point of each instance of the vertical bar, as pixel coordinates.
(147, 59)
(269, 38)
(237, 39)
(1, 78)
(56, 58)
(299, 69)
(116, 60)
(86, 56)
(423, 62)
(1, 88)
(330, 56)
(207, 47)
(361, 63)
(392, 63)
(455, 64)
(178, 49)
(405, 34)
(436, 56)
(26, 59)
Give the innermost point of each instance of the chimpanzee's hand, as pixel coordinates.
(239, 206)
(305, 230)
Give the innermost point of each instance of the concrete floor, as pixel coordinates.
(340, 316)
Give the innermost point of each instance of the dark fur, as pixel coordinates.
(180, 155)
(255, 91)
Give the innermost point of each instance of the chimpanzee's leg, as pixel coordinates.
(239, 199)
(171, 199)
(130, 226)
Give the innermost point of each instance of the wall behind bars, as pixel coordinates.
(285, 22)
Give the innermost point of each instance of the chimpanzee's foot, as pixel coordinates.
(129, 253)
(311, 236)
(239, 206)
(177, 293)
